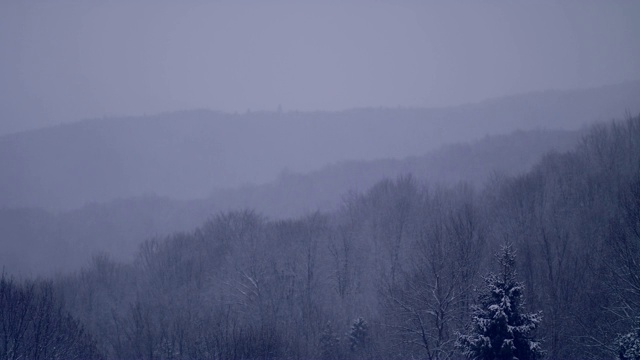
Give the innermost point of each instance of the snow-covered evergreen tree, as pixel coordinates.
(359, 334)
(500, 328)
(629, 345)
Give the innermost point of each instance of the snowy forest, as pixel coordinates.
(322, 180)
(543, 264)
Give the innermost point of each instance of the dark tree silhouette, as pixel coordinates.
(34, 324)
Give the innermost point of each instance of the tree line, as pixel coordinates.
(400, 271)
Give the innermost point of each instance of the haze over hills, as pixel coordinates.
(40, 242)
(108, 184)
(190, 154)
(319, 180)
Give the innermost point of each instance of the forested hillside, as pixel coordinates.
(37, 242)
(244, 180)
(393, 273)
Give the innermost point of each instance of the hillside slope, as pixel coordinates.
(402, 259)
(189, 154)
(36, 241)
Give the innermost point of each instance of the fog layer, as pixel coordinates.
(67, 60)
(189, 154)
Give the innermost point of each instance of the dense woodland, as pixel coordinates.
(395, 273)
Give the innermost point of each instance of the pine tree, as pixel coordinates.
(500, 327)
(359, 334)
(629, 345)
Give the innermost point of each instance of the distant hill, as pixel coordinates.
(294, 194)
(35, 241)
(190, 154)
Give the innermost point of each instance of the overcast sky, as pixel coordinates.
(67, 60)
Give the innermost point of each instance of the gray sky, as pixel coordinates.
(68, 60)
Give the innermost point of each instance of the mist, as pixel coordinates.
(66, 61)
(319, 180)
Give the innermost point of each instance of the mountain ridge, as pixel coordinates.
(190, 154)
